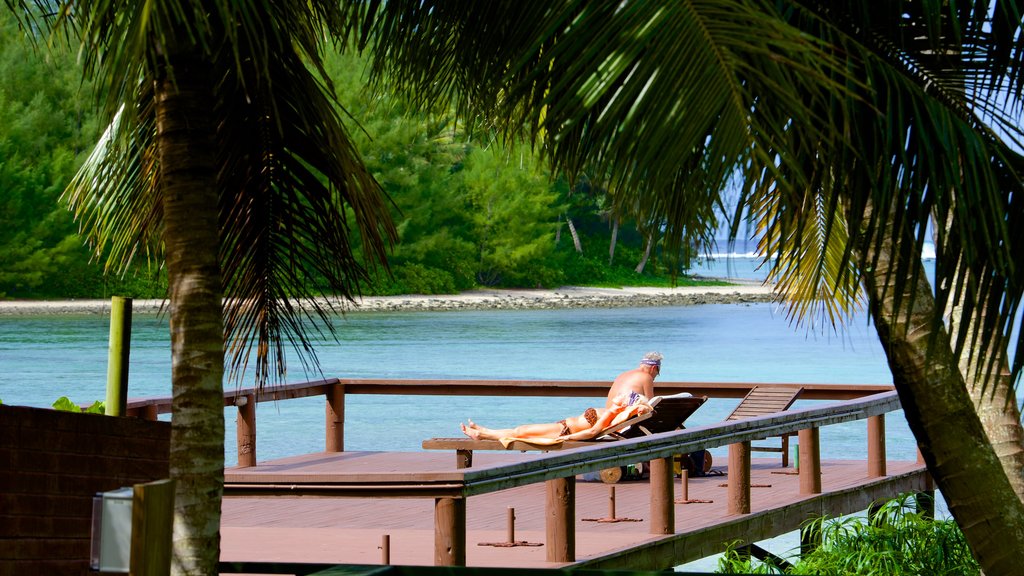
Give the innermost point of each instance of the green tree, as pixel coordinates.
(225, 154)
(44, 125)
(839, 118)
(513, 209)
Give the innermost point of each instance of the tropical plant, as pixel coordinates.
(64, 404)
(845, 127)
(897, 539)
(225, 154)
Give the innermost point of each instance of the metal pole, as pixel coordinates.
(117, 357)
(511, 525)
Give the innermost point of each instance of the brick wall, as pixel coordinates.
(51, 465)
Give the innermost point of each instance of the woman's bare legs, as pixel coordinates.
(478, 432)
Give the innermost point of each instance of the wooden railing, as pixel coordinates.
(559, 469)
(336, 389)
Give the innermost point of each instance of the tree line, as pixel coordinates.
(469, 212)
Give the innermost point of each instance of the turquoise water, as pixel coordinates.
(45, 357)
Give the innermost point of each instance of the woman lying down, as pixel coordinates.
(586, 426)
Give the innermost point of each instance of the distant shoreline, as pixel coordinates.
(484, 299)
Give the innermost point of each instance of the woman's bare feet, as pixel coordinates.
(470, 430)
(478, 432)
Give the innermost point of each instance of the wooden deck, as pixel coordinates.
(349, 529)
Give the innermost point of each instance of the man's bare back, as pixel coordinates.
(639, 380)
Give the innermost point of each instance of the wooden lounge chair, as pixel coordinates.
(763, 400)
(670, 412)
(663, 419)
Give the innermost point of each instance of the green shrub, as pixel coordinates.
(898, 540)
(64, 404)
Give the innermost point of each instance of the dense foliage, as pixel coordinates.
(898, 540)
(469, 213)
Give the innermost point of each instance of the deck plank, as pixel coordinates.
(349, 530)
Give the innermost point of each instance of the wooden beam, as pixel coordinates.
(739, 478)
(335, 415)
(663, 510)
(152, 522)
(560, 526)
(450, 532)
(245, 431)
(876, 446)
(810, 461)
(681, 548)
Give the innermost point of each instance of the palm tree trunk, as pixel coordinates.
(647, 255)
(575, 236)
(615, 237)
(187, 164)
(940, 412)
(992, 393)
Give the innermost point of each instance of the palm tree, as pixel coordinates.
(226, 155)
(841, 122)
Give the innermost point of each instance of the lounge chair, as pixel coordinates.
(664, 418)
(670, 412)
(764, 400)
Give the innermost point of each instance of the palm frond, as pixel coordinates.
(115, 196)
(295, 197)
(297, 200)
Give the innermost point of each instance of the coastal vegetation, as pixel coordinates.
(469, 213)
(854, 130)
(895, 540)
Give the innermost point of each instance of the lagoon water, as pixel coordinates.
(45, 357)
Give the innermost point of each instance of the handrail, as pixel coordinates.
(664, 445)
(151, 406)
(561, 464)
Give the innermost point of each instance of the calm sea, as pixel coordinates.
(45, 357)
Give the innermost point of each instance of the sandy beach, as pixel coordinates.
(484, 299)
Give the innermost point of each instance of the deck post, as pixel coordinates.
(245, 429)
(150, 412)
(449, 532)
(152, 520)
(663, 510)
(119, 350)
(876, 446)
(739, 478)
(810, 461)
(335, 426)
(925, 504)
(560, 511)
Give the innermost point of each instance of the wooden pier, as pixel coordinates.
(421, 508)
(351, 529)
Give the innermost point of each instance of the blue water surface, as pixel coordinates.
(45, 357)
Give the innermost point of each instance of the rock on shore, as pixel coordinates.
(563, 297)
